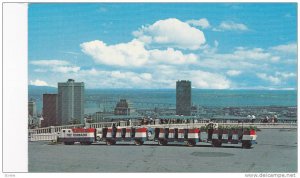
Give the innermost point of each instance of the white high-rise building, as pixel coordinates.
(70, 102)
(32, 108)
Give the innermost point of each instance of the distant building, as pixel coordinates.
(32, 108)
(33, 120)
(70, 102)
(50, 102)
(122, 108)
(99, 116)
(183, 98)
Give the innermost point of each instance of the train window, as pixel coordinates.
(133, 132)
(123, 132)
(186, 131)
(166, 132)
(156, 131)
(104, 132)
(176, 133)
(114, 132)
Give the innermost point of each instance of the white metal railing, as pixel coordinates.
(43, 137)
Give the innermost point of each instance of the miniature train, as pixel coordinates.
(162, 136)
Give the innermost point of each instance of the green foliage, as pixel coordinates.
(203, 128)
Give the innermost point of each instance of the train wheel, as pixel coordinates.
(191, 143)
(138, 142)
(162, 142)
(217, 143)
(98, 138)
(108, 142)
(66, 143)
(113, 142)
(246, 144)
(214, 143)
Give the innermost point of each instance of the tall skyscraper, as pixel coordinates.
(50, 102)
(32, 114)
(32, 108)
(70, 102)
(183, 97)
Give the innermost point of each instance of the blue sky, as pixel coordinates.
(139, 45)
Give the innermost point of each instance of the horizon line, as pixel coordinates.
(267, 89)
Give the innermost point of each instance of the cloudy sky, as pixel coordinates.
(216, 46)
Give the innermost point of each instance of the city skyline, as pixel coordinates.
(117, 45)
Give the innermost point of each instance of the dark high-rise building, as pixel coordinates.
(70, 102)
(50, 102)
(183, 97)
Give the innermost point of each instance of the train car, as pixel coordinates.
(82, 135)
(165, 135)
(234, 137)
(253, 136)
(203, 136)
(248, 138)
(113, 135)
(217, 137)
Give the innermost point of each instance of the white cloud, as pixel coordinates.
(66, 69)
(60, 66)
(123, 54)
(233, 72)
(241, 58)
(133, 54)
(118, 79)
(49, 62)
(277, 78)
(91, 72)
(171, 56)
(40, 70)
(216, 43)
(103, 9)
(275, 58)
(286, 48)
(171, 33)
(254, 54)
(203, 23)
(38, 82)
(231, 26)
(208, 80)
(166, 76)
(146, 76)
(285, 75)
(272, 79)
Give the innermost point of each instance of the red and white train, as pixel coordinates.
(162, 136)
